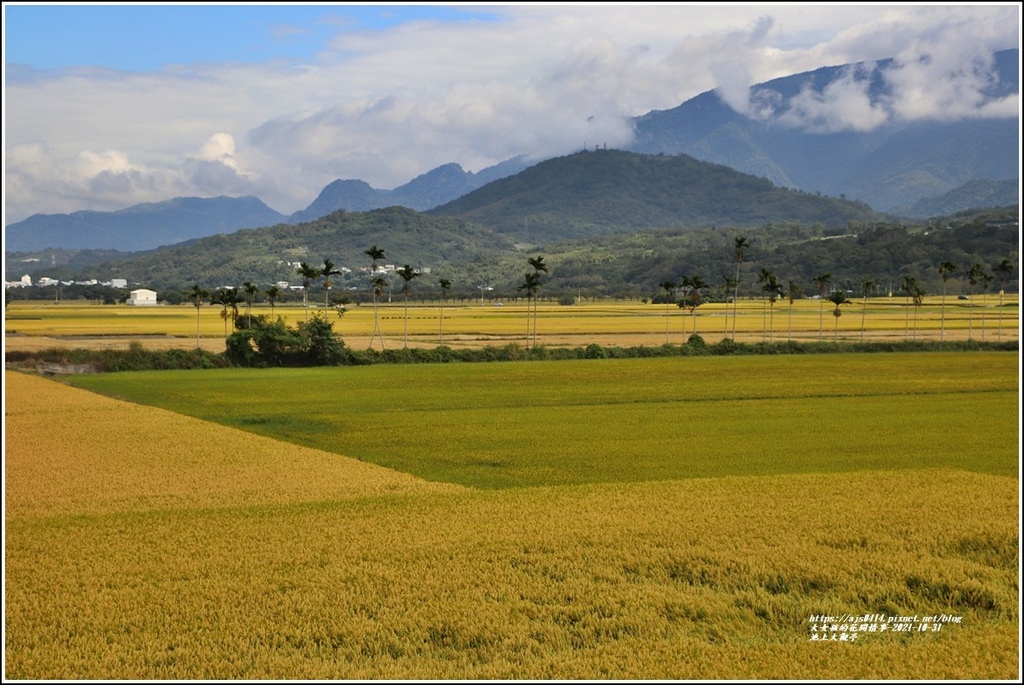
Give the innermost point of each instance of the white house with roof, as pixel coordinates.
(141, 298)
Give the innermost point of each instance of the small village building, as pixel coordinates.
(142, 298)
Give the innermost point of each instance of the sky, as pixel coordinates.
(107, 106)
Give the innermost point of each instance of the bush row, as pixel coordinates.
(328, 351)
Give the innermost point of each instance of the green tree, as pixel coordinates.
(228, 299)
(974, 276)
(694, 286)
(250, 292)
(821, 282)
(446, 285)
(770, 287)
(377, 284)
(539, 267)
(1003, 271)
(197, 295)
(530, 286)
(838, 298)
(309, 274)
(728, 285)
(273, 293)
(669, 286)
(946, 269)
(328, 270)
(407, 273)
(740, 246)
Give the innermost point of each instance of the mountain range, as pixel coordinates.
(904, 169)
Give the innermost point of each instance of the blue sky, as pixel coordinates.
(147, 37)
(106, 106)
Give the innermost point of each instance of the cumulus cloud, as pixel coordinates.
(385, 106)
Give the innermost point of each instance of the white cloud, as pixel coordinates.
(385, 106)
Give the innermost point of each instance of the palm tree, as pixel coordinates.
(791, 292)
(228, 299)
(866, 288)
(327, 271)
(693, 284)
(739, 245)
(946, 269)
(273, 292)
(821, 283)
(974, 275)
(378, 283)
(407, 273)
(538, 266)
(250, 292)
(196, 295)
(728, 285)
(309, 274)
(530, 285)
(774, 289)
(670, 288)
(446, 285)
(1004, 270)
(837, 297)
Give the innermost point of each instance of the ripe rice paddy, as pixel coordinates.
(680, 518)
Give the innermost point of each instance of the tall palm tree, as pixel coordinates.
(866, 288)
(740, 244)
(1003, 270)
(792, 290)
(974, 276)
(692, 299)
(837, 297)
(196, 295)
(228, 299)
(377, 283)
(309, 274)
(538, 267)
(446, 285)
(273, 292)
(919, 294)
(250, 292)
(407, 273)
(774, 290)
(728, 285)
(669, 286)
(530, 285)
(946, 269)
(821, 282)
(328, 270)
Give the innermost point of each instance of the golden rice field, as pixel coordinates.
(38, 325)
(143, 544)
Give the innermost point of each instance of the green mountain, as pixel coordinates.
(610, 191)
(268, 255)
(979, 193)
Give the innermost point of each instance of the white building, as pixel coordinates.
(142, 298)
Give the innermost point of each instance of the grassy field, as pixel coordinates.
(681, 518)
(35, 325)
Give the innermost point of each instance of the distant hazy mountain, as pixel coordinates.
(888, 167)
(977, 194)
(139, 227)
(436, 187)
(611, 191)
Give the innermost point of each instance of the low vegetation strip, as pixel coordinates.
(691, 579)
(583, 421)
(73, 452)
